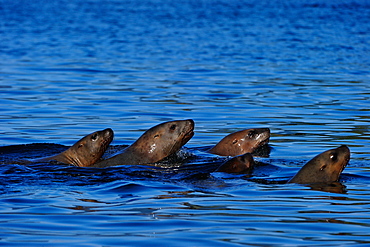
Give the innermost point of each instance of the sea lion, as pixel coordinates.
(85, 152)
(241, 142)
(239, 164)
(154, 145)
(323, 168)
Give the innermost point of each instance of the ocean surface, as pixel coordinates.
(71, 67)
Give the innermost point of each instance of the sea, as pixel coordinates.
(72, 67)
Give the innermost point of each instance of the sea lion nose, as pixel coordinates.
(192, 123)
(265, 130)
(344, 147)
(108, 132)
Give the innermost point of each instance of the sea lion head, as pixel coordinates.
(90, 148)
(241, 142)
(163, 140)
(324, 168)
(238, 164)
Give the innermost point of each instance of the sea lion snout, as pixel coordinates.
(262, 134)
(191, 122)
(188, 125)
(345, 151)
(189, 129)
(108, 134)
(339, 156)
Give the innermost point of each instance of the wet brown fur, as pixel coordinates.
(239, 164)
(324, 168)
(154, 145)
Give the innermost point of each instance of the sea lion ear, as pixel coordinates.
(80, 145)
(322, 167)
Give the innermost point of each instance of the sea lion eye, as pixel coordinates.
(156, 136)
(251, 134)
(173, 127)
(94, 137)
(235, 141)
(80, 146)
(334, 157)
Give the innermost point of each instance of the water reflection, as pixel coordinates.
(335, 187)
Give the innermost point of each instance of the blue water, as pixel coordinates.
(301, 68)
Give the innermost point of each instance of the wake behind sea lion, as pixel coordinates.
(154, 145)
(241, 142)
(85, 152)
(323, 168)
